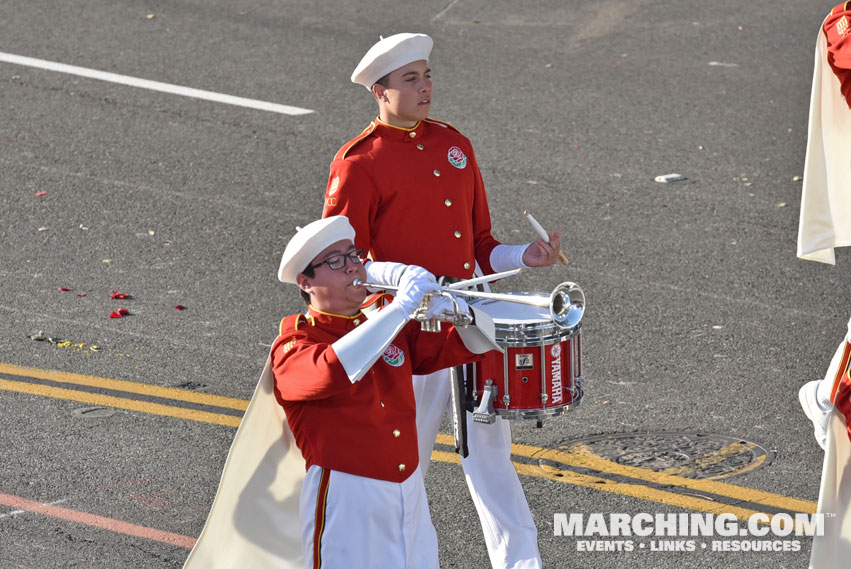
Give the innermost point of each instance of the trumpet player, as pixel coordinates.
(406, 169)
(344, 382)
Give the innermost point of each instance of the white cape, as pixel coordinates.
(833, 549)
(826, 195)
(254, 521)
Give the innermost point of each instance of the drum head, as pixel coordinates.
(522, 324)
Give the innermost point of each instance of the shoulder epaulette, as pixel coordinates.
(443, 124)
(839, 8)
(292, 322)
(351, 144)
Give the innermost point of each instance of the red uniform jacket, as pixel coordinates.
(840, 395)
(367, 428)
(837, 30)
(414, 196)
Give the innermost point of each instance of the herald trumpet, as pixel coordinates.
(566, 302)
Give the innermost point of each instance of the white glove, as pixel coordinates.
(415, 284)
(443, 305)
(384, 273)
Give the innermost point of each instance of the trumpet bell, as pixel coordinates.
(567, 305)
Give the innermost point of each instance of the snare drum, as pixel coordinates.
(540, 372)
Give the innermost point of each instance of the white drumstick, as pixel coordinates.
(543, 234)
(485, 279)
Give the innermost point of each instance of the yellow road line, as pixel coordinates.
(634, 490)
(577, 456)
(127, 386)
(623, 488)
(120, 403)
(583, 458)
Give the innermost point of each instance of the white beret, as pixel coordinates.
(389, 54)
(309, 241)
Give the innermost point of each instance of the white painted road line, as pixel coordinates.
(152, 85)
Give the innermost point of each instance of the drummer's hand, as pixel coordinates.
(540, 253)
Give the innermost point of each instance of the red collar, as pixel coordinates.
(334, 321)
(398, 133)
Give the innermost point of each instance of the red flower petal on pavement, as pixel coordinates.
(65, 289)
(119, 295)
(115, 315)
(123, 312)
(180, 307)
(40, 194)
(82, 294)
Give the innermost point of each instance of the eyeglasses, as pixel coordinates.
(337, 262)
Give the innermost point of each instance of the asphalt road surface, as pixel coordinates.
(700, 326)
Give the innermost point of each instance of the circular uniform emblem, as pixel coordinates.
(394, 356)
(555, 351)
(457, 158)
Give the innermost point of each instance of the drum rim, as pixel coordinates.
(554, 411)
(556, 335)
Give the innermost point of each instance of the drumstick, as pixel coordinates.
(485, 279)
(543, 234)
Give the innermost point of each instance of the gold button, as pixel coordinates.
(437, 172)
(420, 147)
(457, 234)
(448, 203)
(355, 321)
(467, 265)
(396, 433)
(401, 468)
(412, 134)
(382, 403)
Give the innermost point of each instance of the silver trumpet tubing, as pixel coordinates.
(456, 317)
(566, 302)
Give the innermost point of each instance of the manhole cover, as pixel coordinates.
(690, 455)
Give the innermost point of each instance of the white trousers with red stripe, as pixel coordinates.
(510, 533)
(353, 522)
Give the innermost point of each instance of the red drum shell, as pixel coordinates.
(540, 372)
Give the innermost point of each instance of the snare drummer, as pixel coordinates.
(412, 189)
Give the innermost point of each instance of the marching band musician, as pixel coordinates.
(343, 382)
(406, 169)
(824, 225)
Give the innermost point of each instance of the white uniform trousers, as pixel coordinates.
(364, 523)
(510, 533)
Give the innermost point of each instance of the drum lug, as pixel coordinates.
(485, 413)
